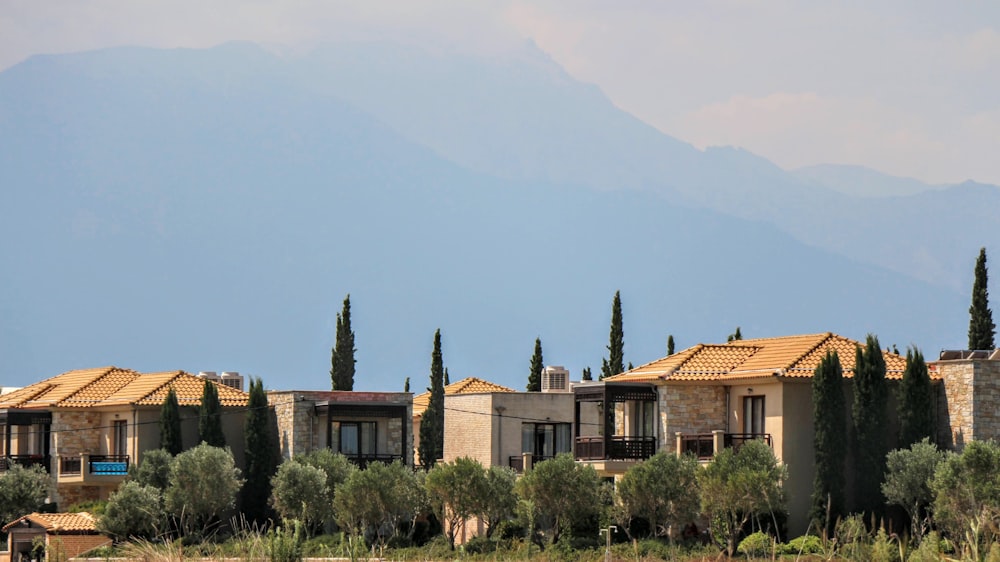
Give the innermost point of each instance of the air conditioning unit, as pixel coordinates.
(232, 379)
(555, 379)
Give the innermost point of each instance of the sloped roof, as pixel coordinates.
(470, 385)
(112, 386)
(787, 356)
(82, 522)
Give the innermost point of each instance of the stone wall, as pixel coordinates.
(295, 423)
(970, 403)
(74, 433)
(690, 409)
(469, 428)
(70, 494)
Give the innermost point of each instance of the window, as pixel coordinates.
(546, 440)
(120, 444)
(643, 422)
(753, 414)
(357, 438)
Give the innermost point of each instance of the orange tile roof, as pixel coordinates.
(111, 386)
(788, 356)
(468, 385)
(59, 522)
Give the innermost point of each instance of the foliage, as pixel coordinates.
(154, 470)
(535, 371)
(916, 401)
(670, 344)
(869, 416)
(908, 481)
(981, 326)
(377, 498)
(170, 424)
(406, 385)
(22, 491)
(740, 486)
(615, 363)
(735, 336)
(335, 466)
(455, 491)
(299, 492)
(806, 544)
(135, 510)
(203, 483)
(757, 544)
(259, 455)
(210, 416)
(285, 544)
(93, 507)
(967, 494)
(561, 491)
(662, 490)
(432, 421)
(587, 376)
(829, 442)
(499, 501)
(929, 549)
(342, 362)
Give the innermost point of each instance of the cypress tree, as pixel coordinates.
(535, 371)
(342, 358)
(829, 442)
(170, 424)
(981, 326)
(735, 336)
(210, 417)
(615, 363)
(260, 463)
(916, 401)
(869, 416)
(432, 422)
(670, 344)
(406, 385)
(586, 374)
(447, 378)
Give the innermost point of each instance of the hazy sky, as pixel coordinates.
(909, 88)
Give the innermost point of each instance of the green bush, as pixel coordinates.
(757, 544)
(93, 507)
(806, 544)
(929, 549)
(479, 545)
(284, 544)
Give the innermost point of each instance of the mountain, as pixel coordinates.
(209, 210)
(859, 181)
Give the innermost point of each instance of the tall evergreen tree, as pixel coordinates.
(615, 363)
(869, 416)
(260, 463)
(829, 442)
(670, 344)
(916, 401)
(170, 424)
(735, 336)
(535, 371)
(447, 378)
(432, 422)
(210, 417)
(342, 360)
(586, 374)
(981, 326)
(406, 385)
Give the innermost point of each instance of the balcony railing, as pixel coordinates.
(108, 465)
(703, 445)
(619, 448)
(517, 461)
(362, 461)
(26, 461)
(70, 465)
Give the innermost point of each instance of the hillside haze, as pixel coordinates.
(209, 209)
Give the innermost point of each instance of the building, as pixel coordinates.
(719, 395)
(364, 426)
(971, 396)
(64, 535)
(87, 426)
(470, 385)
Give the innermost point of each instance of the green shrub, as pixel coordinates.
(884, 548)
(757, 544)
(806, 544)
(284, 544)
(93, 507)
(929, 549)
(479, 545)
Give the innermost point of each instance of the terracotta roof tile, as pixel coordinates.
(788, 356)
(59, 522)
(468, 385)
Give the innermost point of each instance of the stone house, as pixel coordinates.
(469, 385)
(64, 535)
(364, 426)
(970, 403)
(87, 426)
(711, 396)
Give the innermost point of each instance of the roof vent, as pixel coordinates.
(555, 379)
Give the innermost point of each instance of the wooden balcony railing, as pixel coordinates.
(362, 461)
(620, 447)
(703, 445)
(26, 461)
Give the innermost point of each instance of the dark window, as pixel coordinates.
(357, 438)
(546, 440)
(643, 424)
(120, 438)
(753, 414)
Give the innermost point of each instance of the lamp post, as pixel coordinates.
(607, 533)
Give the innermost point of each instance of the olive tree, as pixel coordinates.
(135, 510)
(455, 491)
(741, 486)
(377, 498)
(499, 502)
(299, 491)
(22, 491)
(561, 491)
(967, 494)
(908, 477)
(154, 470)
(663, 490)
(204, 482)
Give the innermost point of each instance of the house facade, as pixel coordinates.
(86, 427)
(469, 385)
(364, 426)
(63, 535)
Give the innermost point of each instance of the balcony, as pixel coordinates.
(26, 461)
(704, 446)
(92, 469)
(362, 461)
(517, 462)
(618, 447)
